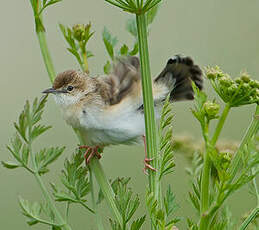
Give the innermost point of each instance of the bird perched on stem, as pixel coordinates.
(108, 110)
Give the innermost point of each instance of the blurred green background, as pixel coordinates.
(212, 32)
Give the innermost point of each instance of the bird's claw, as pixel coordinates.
(148, 166)
(90, 152)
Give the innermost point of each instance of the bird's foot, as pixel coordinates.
(147, 160)
(148, 166)
(91, 152)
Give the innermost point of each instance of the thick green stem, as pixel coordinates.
(251, 131)
(97, 213)
(150, 124)
(106, 188)
(46, 56)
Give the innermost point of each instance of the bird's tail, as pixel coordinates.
(178, 75)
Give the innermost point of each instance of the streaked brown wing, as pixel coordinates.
(124, 77)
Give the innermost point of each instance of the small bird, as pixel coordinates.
(108, 109)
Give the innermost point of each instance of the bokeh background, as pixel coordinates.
(212, 32)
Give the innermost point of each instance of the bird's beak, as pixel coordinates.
(54, 91)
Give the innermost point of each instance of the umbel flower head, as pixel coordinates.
(241, 91)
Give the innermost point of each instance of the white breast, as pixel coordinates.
(114, 125)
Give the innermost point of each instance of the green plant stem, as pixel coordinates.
(102, 181)
(97, 214)
(47, 197)
(44, 190)
(255, 211)
(251, 131)
(150, 123)
(249, 219)
(106, 188)
(255, 188)
(85, 61)
(46, 56)
(205, 182)
(220, 124)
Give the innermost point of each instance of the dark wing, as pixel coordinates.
(124, 77)
(178, 75)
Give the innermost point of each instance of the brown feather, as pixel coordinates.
(123, 79)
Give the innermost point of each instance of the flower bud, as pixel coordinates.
(238, 80)
(232, 89)
(225, 81)
(245, 77)
(254, 84)
(211, 109)
(79, 32)
(213, 73)
(246, 87)
(225, 158)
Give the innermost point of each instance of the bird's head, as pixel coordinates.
(69, 87)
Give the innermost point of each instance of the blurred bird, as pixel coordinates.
(108, 109)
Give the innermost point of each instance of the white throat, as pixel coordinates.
(65, 100)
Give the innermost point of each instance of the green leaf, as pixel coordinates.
(109, 42)
(38, 130)
(56, 228)
(47, 4)
(151, 14)
(10, 165)
(89, 54)
(107, 67)
(76, 54)
(124, 50)
(30, 210)
(25, 154)
(136, 225)
(46, 157)
(75, 179)
(16, 148)
(169, 202)
(134, 51)
(62, 196)
(131, 27)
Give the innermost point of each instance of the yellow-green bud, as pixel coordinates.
(225, 159)
(238, 80)
(213, 73)
(225, 81)
(246, 87)
(254, 84)
(211, 109)
(245, 77)
(79, 32)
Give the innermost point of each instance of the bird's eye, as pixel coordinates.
(70, 88)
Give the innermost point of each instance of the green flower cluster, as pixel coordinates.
(241, 91)
(82, 32)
